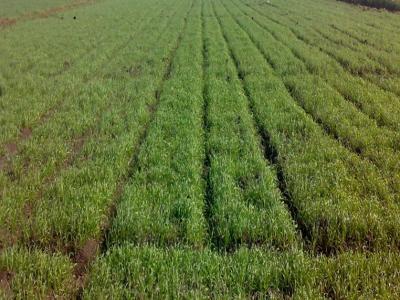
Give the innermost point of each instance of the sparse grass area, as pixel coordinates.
(199, 149)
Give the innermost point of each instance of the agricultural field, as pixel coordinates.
(225, 149)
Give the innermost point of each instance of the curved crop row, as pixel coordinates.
(340, 199)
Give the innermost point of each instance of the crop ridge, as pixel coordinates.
(208, 193)
(289, 89)
(327, 37)
(356, 38)
(82, 260)
(199, 149)
(360, 162)
(102, 243)
(12, 147)
(382, 66)
(68, 64)
(373, 113)
(328, 10)
(343, 64)
(270, 153)
(77, 144)
(327, 129)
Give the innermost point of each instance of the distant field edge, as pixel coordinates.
(391, 5)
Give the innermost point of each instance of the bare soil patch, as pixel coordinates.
(4, 22)
(84, 256)
(26, 133)
(11, 148)
(5, 282)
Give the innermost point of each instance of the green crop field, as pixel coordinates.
(195, 149)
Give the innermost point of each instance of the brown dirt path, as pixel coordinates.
(45, 13)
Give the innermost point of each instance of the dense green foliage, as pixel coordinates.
(131, 272)
(199, 149)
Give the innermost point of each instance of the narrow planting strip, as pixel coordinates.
(208, 198)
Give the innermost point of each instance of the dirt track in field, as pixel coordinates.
(7, 22)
